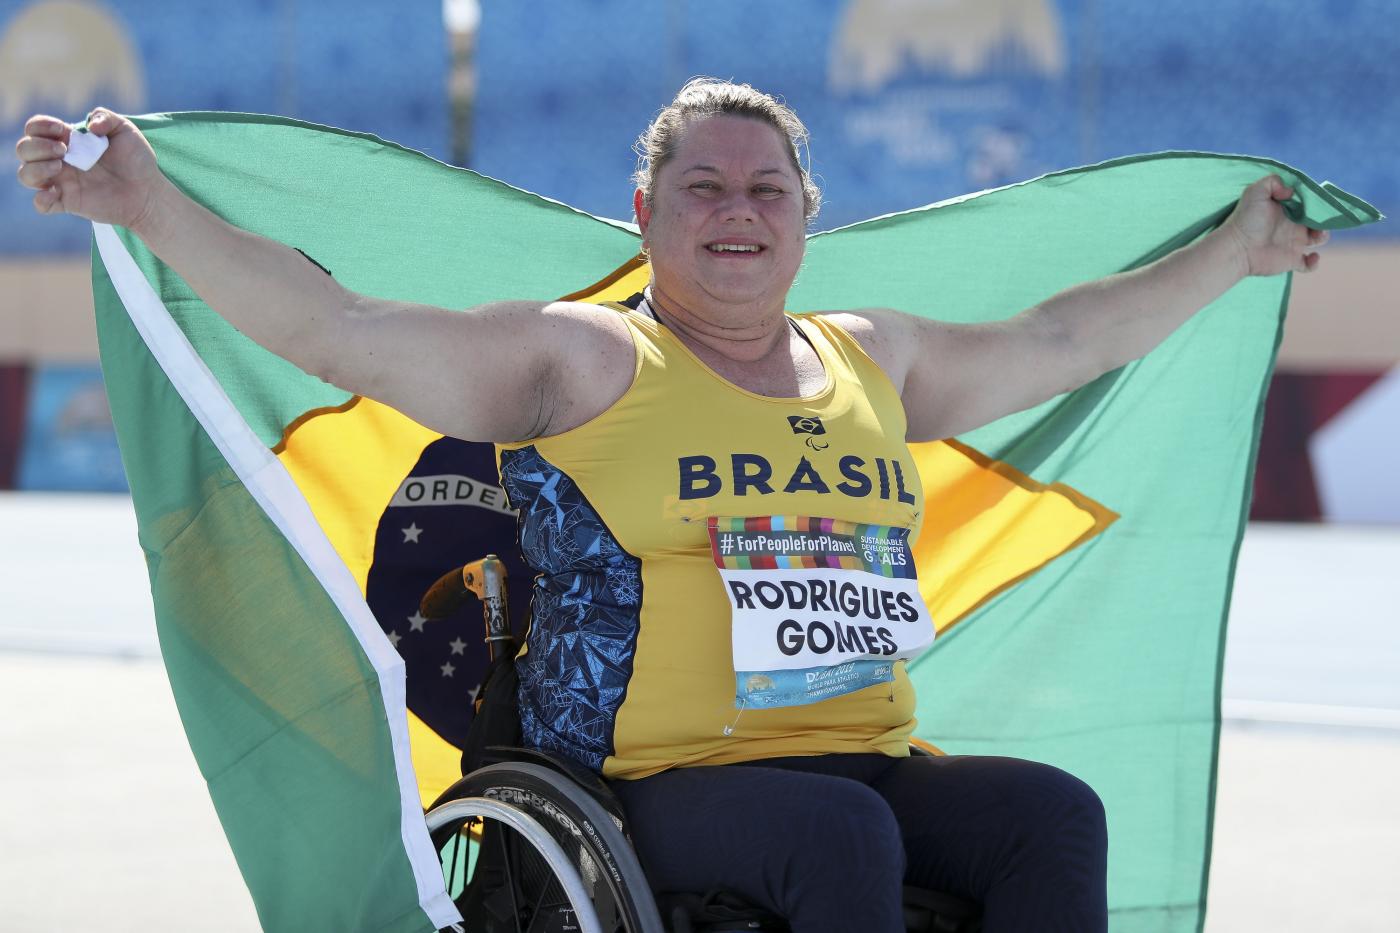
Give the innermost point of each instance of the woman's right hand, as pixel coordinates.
(120, 189)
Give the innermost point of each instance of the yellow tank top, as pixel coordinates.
(628, 666)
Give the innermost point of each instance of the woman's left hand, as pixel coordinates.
(1268, 242)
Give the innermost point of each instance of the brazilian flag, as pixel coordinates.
(1078, 555)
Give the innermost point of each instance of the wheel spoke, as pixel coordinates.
(563, 823)
(506, 860)
(452, 865)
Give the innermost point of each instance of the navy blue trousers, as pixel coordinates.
(827, 842)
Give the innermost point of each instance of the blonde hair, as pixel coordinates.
(706, 97)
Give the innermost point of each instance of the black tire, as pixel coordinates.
(589, 835)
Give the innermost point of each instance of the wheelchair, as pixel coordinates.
(534, 843)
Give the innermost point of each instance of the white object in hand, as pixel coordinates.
(84, 149)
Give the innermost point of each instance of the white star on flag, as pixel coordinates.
(457, 645)
(416, 622)
(411, 533)
(447, 669)
(395, 638)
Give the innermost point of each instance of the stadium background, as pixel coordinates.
(908, 103)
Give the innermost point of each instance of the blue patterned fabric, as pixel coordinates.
(586, 608)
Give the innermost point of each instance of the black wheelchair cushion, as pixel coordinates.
(715, 912)
(936, 912)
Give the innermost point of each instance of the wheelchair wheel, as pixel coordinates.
(501, 875)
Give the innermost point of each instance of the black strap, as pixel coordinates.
(635, 302)
(312, 261)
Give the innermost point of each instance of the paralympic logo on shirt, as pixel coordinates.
(812, 427)
(700, 477)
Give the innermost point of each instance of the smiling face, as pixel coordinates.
(726, 227)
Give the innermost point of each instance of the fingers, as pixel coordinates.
(1257, 190)
(1305, 243)
(1275, 243)
(1311, 241)
(49, 201)
(41, 173)
(41, 151)
(46, 127)
(1271, 187)
(103, 122)
(1278, 190)
(37, 148)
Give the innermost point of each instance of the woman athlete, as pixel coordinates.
(636, 433)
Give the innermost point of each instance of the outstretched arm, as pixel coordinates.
(956, 377)
(427, 362)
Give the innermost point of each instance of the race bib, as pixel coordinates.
(820, 607)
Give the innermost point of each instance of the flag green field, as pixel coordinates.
(1082, 550)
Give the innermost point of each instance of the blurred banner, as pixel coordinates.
(68, 443)
(1329, 449)
(14, 387)
(1298, 408)
(1356, 456)
(376, 67)
(913, 102)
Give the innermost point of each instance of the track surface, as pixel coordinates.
(105, 823)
